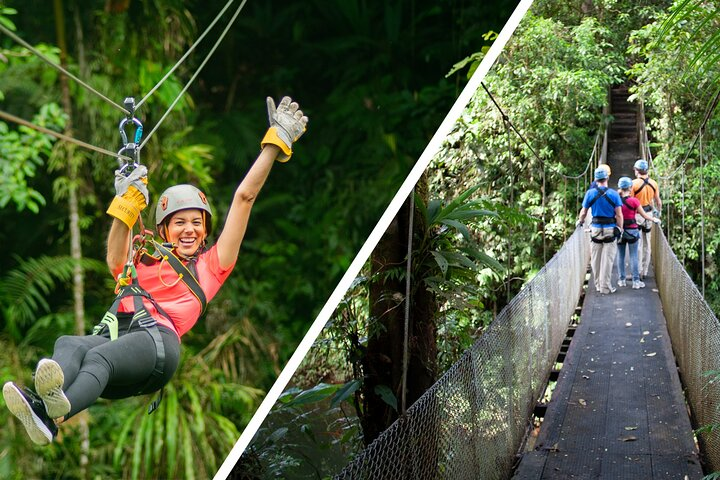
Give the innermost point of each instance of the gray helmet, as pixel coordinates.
(624, 183)
(641, 165)
(601, 173)
(182, 197)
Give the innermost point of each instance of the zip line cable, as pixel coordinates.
(20, 121)
(199, 69)
(35, 51)
(187, 54)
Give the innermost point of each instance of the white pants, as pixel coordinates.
(602, 259)
(644, 251)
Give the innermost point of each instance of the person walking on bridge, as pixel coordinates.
(647, 192)
(605, 227)
(631, 234)
(605, 167)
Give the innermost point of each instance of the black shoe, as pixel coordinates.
(30, 410)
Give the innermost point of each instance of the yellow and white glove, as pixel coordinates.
(131, 196)
(287, 124)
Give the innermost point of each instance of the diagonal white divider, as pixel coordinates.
(427, 155)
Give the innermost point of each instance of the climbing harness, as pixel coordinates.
(646, 182)
(600, 220)
(627, 237)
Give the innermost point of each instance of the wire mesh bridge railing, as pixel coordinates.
(695, 335)
(471, 422)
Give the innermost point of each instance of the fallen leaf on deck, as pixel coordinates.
(646, 332)
(628, 439)
(630, 428)
(628, 324)
(591, 371)
(582, 402)
(585, 377)
(651, 354)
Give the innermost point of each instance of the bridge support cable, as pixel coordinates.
(681, 168)
(508, 244)
(408, 283)
(594, 157)
(480, 408)
(695, 336)
(702, 213)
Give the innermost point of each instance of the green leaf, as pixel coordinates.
(319, 392)
(387, 396)
(344, 392)
(441, 261)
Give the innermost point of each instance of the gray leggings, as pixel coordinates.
(96, 367)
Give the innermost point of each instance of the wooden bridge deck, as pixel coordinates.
(618, 410)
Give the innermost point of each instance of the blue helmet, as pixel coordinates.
(624, 183)
(641, 165)
(601, 173)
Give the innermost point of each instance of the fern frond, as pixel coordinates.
(23, 290)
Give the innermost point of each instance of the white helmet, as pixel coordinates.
(181, 197)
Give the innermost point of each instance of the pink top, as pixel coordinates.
(630, 210)
(178, 301)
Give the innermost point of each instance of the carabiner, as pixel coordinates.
(129, 150)
(132, 149)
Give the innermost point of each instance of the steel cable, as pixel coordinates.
(35, 51)
(20, 121)
(187, 54)
(197, 72)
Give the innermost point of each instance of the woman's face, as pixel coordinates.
(186, 229)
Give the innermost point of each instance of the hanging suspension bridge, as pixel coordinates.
(631, 372)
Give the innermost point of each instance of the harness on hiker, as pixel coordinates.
(600, 220)
(627, 222)
(646, 182)
(127, 283)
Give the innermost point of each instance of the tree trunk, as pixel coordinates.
(73, 165)
(383, 361)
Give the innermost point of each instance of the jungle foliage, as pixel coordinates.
(678, 80)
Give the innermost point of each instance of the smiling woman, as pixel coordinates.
(135, 349)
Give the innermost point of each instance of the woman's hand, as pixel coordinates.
(287, 124)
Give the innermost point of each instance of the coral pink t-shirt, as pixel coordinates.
(178, 301)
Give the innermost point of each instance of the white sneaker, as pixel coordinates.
(49, 380)
(638, 284)
(622, 283)
(28, 408)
